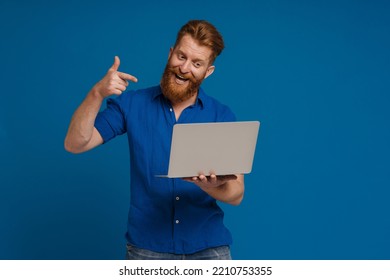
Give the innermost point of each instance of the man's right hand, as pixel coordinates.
(114, 82)
(82, 135)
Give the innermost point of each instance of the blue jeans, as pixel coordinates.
(217, 253)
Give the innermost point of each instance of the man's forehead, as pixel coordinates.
(189, 46)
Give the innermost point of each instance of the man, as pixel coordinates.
(168, 218)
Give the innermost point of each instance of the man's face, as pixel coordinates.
(188, 65)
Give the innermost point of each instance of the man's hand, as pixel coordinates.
(225, 188)
(211, 181)
(82, 134)
(114, 82)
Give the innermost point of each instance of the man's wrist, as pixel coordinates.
(95, 94)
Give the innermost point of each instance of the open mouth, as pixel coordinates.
(181, 78)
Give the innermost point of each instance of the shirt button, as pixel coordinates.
(177, 198)
(177, 221)
(170, 109)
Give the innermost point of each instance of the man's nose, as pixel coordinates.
(185, 67)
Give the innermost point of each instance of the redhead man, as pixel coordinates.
(168, 218)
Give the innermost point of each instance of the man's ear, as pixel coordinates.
(209, 71)
(170, 52)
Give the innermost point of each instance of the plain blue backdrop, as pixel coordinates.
(315, 73)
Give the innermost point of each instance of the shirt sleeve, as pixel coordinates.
(111, 121)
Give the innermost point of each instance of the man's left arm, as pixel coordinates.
(225, 188)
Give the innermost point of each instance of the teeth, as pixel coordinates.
(181, 77)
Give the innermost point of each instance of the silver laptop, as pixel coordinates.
(221, 148)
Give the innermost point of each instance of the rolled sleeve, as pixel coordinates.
(111, 122)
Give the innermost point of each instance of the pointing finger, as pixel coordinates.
(125, 76)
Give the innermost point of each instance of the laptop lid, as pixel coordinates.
(203, 148)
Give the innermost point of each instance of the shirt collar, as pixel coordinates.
(200, 100)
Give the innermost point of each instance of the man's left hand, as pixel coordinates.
(211, 181)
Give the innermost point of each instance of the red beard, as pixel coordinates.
(174, 92)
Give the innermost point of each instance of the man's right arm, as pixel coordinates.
(82, 134)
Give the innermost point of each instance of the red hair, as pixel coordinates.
(205, 34)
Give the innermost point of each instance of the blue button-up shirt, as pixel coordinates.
(165, 215)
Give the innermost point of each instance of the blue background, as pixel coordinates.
(315, 73)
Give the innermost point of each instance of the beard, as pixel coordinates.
(178, 93)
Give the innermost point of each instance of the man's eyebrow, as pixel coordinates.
(194, 60)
